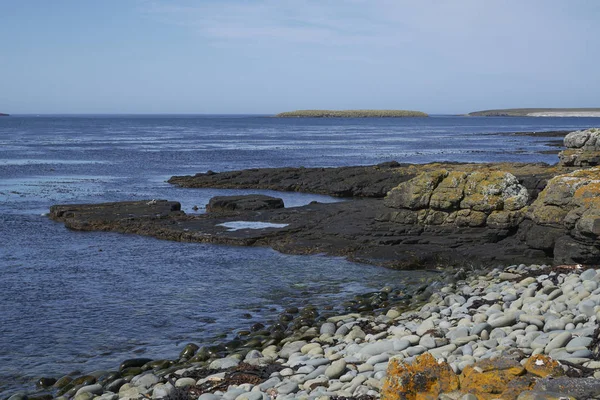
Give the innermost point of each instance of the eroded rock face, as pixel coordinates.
(583, 148)
(252, 202)
(569, 207)
(478, 198)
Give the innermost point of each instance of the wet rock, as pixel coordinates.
(45, 382)
(92, 389)
(252, 202)
(188, 351)
(133, 363)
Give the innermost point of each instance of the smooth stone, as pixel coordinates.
(163, 390)
(316, 362)
(290, 348)
(365, 367)
(464, 340)
(559, 341)
(461, 331)
(480, 327)
(146, 381)
(588, 274)
(578, 343)
(224, 363)
(107, 396)
(233, 393)
(379, 347)
(209, 396)
(93, 389)
(378, 358)
(425, 326)
(415, 350)
(336, 369)
(327, 328)
(130, 393)
(587, 307)
(306, 369)
(133, 363)
(115, 385)
(428, 341)
(250, 396)
(185, 382)
(502, 321)
(287, 388)
(84, 396)
(532, 320)
(269, 383)
(319, 371)
(554, 325)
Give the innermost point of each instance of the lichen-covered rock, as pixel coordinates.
(582, 148)
(416, 193)
(460, 198)
(423, 378)
(489, 379)
(571, 203)
(543, 366)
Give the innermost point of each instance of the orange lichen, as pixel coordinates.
(543, 366)
(424, 378)
(489, 378)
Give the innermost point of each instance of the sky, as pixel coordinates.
(268, 56)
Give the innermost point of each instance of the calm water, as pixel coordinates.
(84, 301)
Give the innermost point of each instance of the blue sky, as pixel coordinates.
(267, 56)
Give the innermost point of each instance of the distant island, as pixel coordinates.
(351, 114)
(538, 112)
(4, 115)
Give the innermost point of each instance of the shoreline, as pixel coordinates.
(278, 327)
(467, 300)
(465, 320)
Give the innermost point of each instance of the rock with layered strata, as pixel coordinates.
(472, 199)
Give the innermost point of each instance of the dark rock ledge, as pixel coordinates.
(433, 215)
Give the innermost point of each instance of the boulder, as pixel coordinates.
(582, 148)
(252, 202)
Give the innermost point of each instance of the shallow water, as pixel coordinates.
(86, 300)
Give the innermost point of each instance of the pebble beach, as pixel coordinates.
(509, 314)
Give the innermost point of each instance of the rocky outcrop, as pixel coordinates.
(362, 181)
(566, 218)
(480, 198)
(582, 148)
(433, 214)
(252, 202)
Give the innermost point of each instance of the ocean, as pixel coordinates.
(88, 300)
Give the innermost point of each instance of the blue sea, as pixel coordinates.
(87, 300)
